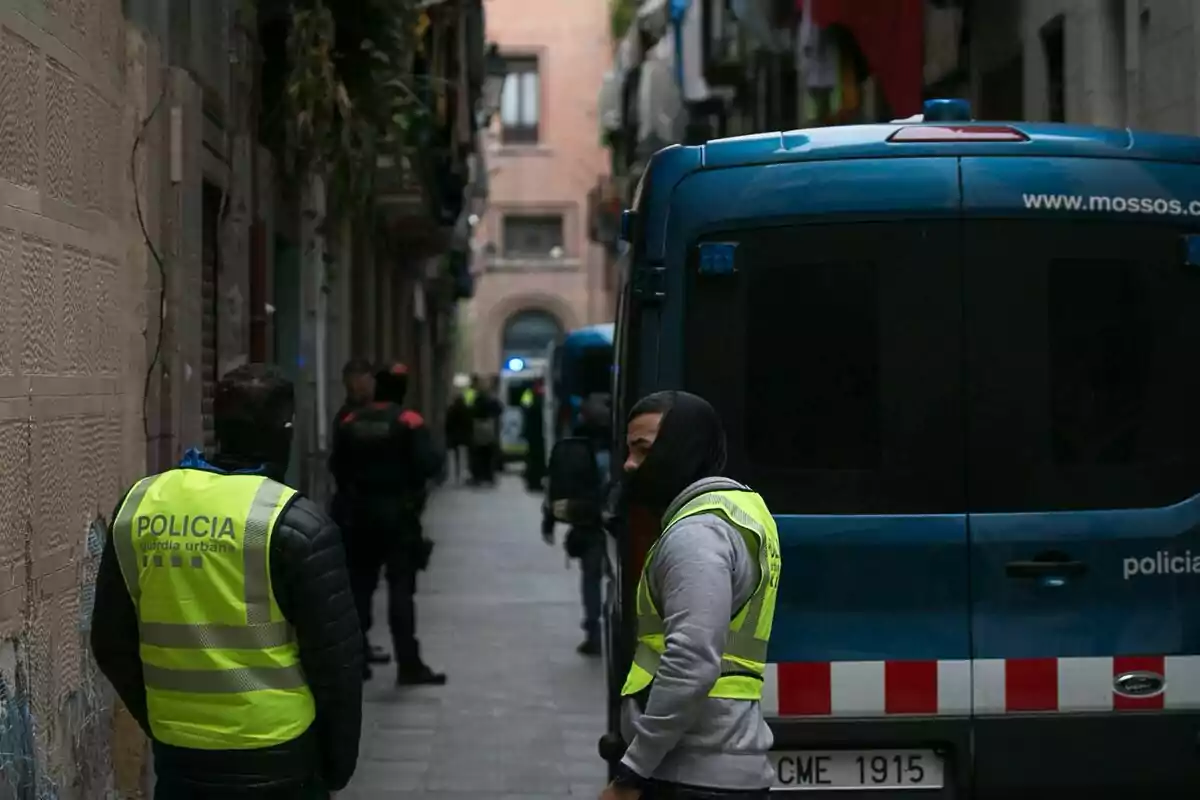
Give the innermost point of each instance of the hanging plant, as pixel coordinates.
(349, 98)
(621, 14)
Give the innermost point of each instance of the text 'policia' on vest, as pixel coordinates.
(220, 662)
(743, 663)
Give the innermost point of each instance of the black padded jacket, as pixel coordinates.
(312, 588)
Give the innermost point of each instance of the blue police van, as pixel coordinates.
(580, 365)
(961, 362)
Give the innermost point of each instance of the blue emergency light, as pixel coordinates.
(947, 110)
(717, 258)
(516, 364)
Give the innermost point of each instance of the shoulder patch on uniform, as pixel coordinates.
(347, 417)
(411, 418)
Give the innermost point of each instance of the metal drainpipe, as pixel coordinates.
(315, 256)
(1133, 61)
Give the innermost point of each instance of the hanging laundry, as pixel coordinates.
(816, 52)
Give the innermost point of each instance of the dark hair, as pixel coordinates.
(357, 366)
(252, 405)
(656, 403)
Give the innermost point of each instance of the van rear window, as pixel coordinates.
(1083, 341)
(924, 367)
(831, 409)
(833, 356)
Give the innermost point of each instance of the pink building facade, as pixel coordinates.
(537, 273)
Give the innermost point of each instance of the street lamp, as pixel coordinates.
(493, 82)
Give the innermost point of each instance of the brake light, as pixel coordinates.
(957, 133)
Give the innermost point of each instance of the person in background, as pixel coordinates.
(501, 401)
(533, 430)
(384, 457)
(358, 378)
(691, 711)
(485, 434)
(240, 660)
(586, 541)
(458, 424)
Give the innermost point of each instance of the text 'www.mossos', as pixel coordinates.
(1163, 206)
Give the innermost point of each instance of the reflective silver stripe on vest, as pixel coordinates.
(741, 643)
(224, 637)
(122, 533)
(225, 681)
(254, 552)
(649, 623)
(646, 658)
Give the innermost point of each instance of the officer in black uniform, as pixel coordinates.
(383, 459)
(358, 378)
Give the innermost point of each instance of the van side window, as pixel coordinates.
(833, 354)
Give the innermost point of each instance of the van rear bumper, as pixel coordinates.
(1125, 756)
(1095, 756)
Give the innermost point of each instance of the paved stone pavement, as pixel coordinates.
(499, 612)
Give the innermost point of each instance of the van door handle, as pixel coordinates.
(1045, 569)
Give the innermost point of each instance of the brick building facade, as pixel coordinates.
(533, 256)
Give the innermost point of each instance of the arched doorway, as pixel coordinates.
(528, 333)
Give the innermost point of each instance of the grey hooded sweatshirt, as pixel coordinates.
(701, 574)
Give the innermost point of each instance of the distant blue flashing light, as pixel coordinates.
(947, 110)
(516, 364)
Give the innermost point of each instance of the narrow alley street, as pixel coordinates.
(499, 612)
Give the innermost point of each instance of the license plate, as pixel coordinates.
(813, 770)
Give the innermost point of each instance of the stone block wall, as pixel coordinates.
(72, 360)
(1097, 87)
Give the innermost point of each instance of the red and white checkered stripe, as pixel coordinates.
(988, 686)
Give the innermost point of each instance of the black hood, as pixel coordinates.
(391, 387)
(690, 446)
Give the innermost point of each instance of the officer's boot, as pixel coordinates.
(591, 644)
(377, 655)
(412, 671)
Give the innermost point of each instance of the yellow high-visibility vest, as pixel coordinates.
(527, 398)
(469, 396)
(220, 662)
(744, 661)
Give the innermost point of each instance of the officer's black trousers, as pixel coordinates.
(368, 553)
(482, 463)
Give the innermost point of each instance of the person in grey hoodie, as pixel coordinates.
(691, 716)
